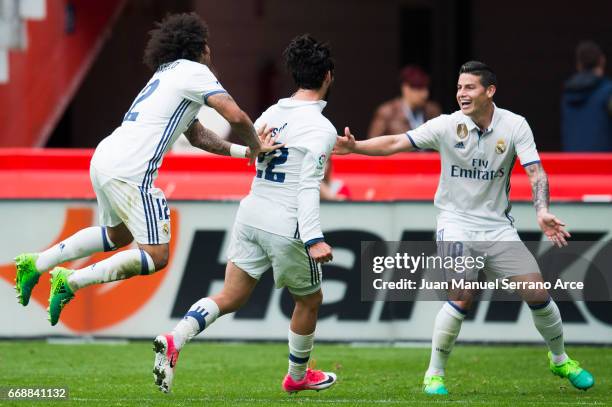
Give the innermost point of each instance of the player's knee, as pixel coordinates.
(119, 235)
(161, 261)
(124, 241)
(464, 304)
(311, 302)
(159, 255)
(537, 297)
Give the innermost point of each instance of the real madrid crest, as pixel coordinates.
(462, 131)
(500, 147)
(166, 229)
(321, 161)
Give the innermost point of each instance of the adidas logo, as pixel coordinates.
(460, 145)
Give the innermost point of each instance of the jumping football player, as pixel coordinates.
(478, 146)
(125, 165)
(277, 224)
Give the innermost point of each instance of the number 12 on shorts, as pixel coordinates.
(162, 209)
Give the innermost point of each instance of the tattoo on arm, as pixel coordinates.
(221, 100)
(225, 105)
(539, 186)
(207, 140)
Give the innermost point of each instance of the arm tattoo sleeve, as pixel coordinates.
(207, 140)
(539, 186)
(241, 124)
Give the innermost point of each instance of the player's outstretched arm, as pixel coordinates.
(225, 105)
(553, 227)
(207, 140)
(383, 145)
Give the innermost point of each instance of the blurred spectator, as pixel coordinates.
(586, 105)
(408, 111)
(333, 189)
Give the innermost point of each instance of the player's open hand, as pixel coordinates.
(345, 144)
(553, 228)
(321, 252)
(268, 143)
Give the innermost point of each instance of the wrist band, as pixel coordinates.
(236, 150)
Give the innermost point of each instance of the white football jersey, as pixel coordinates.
(284, 197)
(474, 187)
(162, 111)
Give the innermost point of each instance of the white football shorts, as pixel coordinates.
(255, 251)
(505, 254)
(144, 212)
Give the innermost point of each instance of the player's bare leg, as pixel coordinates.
(120, 235)
(301, 340)
(236, 291)
(547, 320)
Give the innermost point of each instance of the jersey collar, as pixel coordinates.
(291, 102)
(472, 126)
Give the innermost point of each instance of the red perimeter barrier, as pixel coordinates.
(64, 174)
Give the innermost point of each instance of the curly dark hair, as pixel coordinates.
(177, 36)
(308, 61)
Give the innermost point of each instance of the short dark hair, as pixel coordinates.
(588, 55)
(308, 61)
(482, 70)
(177, 36)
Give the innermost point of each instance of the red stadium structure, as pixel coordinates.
(32, 174)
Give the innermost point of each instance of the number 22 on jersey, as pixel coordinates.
(275, 158)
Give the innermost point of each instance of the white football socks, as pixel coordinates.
(300, 347)
(120, 266)
(200, 316)
(82, 243)
(446, 329)
(547, 320)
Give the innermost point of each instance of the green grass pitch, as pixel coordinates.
(221, 374)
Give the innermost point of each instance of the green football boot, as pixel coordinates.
(61, 293)
(578, 377)
(27, 276)
(434, 385)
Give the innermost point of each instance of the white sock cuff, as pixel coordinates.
(106, 240)
(210, 306)
(300, 343)
(547, 308)
(147, 266)
(454, 311)
(205, 312)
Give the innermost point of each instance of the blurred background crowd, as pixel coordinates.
(396, 63)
